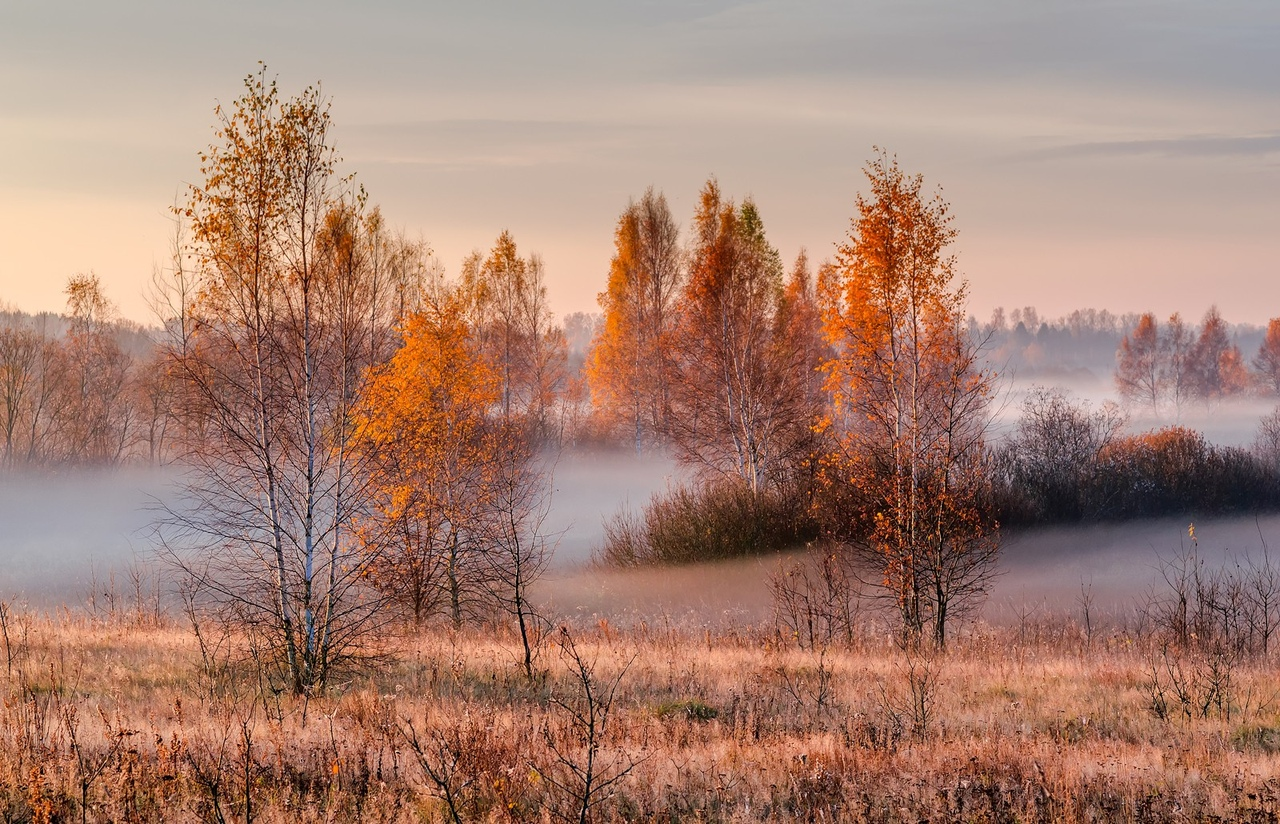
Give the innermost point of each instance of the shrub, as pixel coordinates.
(1063, 465)
(692, 710)
(705, 522)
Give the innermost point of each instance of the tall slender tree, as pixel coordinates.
(733, 408)
(1176, 372)
(910, 402)
(1138, 364)
(632, 359)
(283, 317)
(506, 298)
(1267, 360)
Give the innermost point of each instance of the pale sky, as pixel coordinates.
(1119, 154)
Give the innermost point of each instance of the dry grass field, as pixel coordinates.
(119, 717)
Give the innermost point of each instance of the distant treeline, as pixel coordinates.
(89, 389)
(1087, 343)
(84, 389)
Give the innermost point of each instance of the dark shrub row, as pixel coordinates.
(1066, 464)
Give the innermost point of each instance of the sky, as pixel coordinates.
(1121, 154)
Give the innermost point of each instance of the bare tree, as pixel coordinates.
(1176, 345)
(1266, 442)
(20, 361)
(582, 768)
(1054, 455)
(97, 413)
(517, 546)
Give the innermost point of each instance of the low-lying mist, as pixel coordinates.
(1043, 572)
(1225, 422)
(592, 486)
(1117, 565)
(60, 535)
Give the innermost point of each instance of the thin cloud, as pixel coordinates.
(1197, 146)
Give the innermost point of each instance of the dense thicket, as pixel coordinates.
(708, 522)
(1066, 462)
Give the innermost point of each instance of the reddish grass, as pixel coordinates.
(107, 720)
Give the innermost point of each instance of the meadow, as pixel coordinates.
(706, 704)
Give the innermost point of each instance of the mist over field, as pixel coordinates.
(594, 485)
(60, 532)
(1042, 572)
(1044, 569)
(1229, 422)
(59, 535)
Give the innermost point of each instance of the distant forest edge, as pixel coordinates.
(90, 390)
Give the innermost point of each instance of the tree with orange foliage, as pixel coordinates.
(1138, 364)
(423, 422)
(910, 403)
(458, 499)
(736, 405)
(800, 351)
(1267, 361)
(1215, 364)
(632, 359)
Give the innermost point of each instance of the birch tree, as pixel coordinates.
(632, 360)
(284, 311)
(909, 403)
(506, 300)
(1138, 365)
(459, 497)
(734, 402)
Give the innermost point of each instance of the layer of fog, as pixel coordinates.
(1229, 422)
(62, 536)
(1117, 566)
(593, 486)
(1042, 573)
